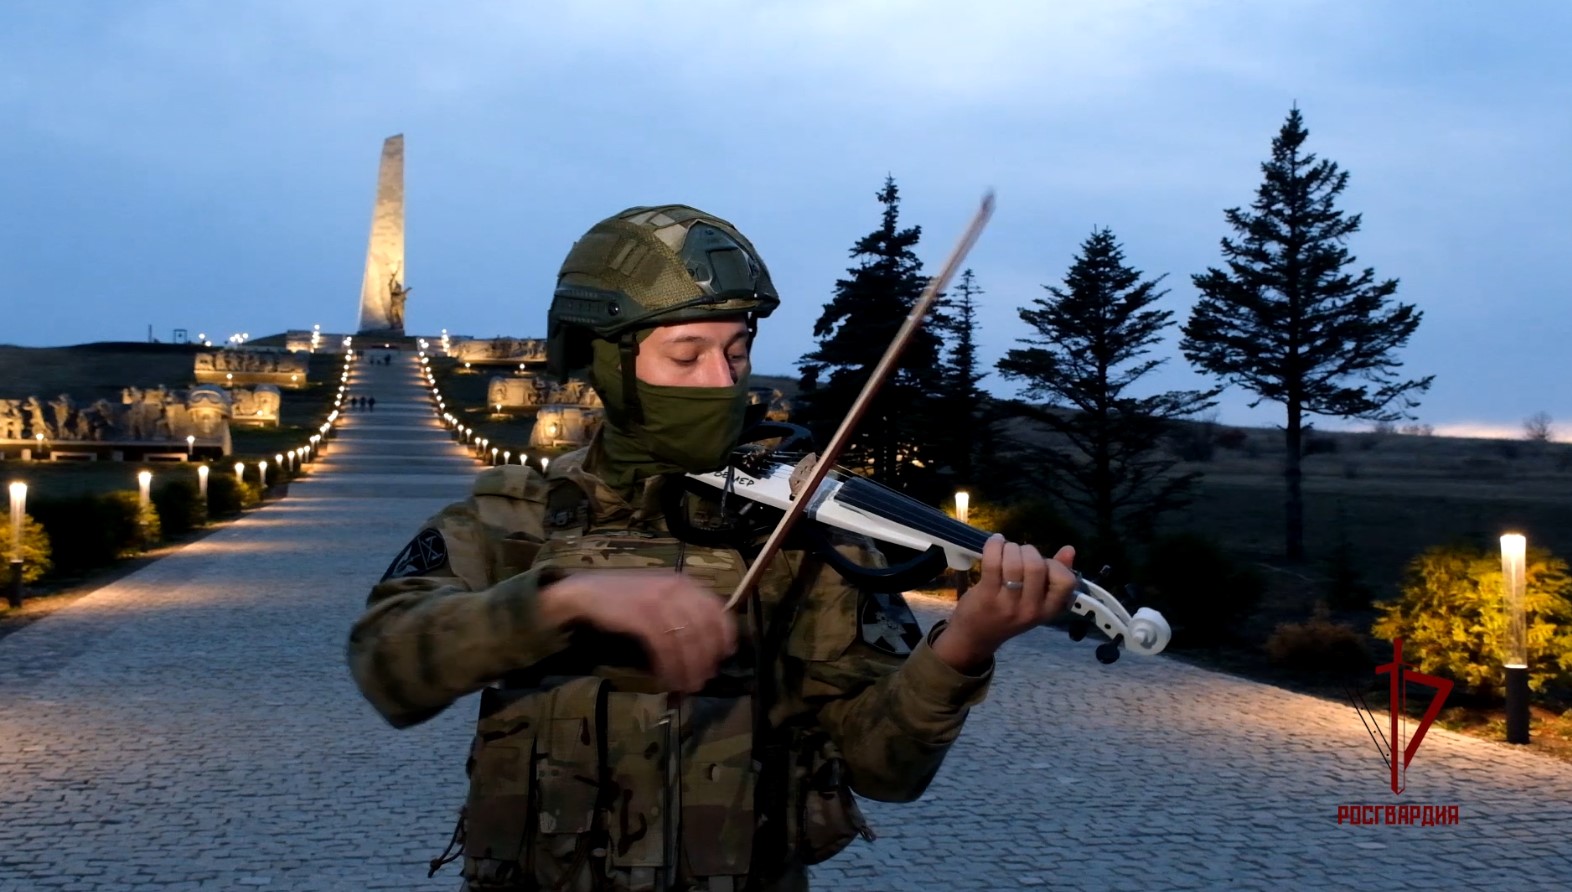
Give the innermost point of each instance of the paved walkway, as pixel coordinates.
(192, 726)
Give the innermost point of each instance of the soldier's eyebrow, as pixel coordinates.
(705, 339)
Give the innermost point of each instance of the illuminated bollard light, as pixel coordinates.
(190, 445)
(1514, 586)
(262, 472)
(240, 471)
(18, 492)
(507, 456)
(544, 461)
(963, 504)
(202, 472)
(493, 455)
(144, 480)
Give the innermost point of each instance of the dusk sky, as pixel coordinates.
(211, 166)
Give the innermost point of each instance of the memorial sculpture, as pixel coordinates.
(382, 291)
(148, 418)
(779, 408)
(527, 391)
(564, 427)
(279, 368)
(500, 350)
(259, 407)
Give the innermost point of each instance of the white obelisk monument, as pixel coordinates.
(382, 291)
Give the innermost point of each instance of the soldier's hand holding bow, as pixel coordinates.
(682, 626)
(1019, 590)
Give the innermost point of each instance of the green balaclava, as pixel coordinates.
(681, 429)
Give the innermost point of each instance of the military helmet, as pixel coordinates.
(649, 266)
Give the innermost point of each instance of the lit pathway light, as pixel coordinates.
(144, 479)
(1514, 585)
(202, 473)
(18, 511)
(190, 444)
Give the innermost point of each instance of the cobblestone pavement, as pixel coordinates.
(192, 726)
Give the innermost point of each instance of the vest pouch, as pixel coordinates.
(828, 815)
(534, 782)
(718, 783)
(568, 767)
(642, 821)
(497, 818)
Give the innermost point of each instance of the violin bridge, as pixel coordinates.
(801, 473)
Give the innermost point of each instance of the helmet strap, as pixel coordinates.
(629, 346)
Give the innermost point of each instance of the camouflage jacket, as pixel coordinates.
(857, 698)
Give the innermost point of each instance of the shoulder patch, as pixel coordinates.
(424, 553)
(886, 623)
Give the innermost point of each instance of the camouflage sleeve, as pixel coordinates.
(439, 626)
(890, 704)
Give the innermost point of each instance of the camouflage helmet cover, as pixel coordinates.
(649, 266)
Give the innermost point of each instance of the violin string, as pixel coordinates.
(857, 492)
(870, 495)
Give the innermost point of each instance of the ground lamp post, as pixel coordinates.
(40, 439)
(240, 471)
(278, 462)
(963, 504)
(190, 445)
(262, 472)
(18, 511)
(493, 455)
(202, 473)
(1514, 583)
(144, 479)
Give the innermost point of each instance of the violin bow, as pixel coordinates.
(886, 366)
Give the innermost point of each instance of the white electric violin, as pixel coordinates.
(854, 503)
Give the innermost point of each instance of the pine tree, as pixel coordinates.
(1290, 321)
(893, 442)
(962, 397)
(1091, 345)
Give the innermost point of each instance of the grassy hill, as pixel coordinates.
(93, 371)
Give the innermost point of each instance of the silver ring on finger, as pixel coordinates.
(1014, 585)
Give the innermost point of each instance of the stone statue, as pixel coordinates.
(36, 420)
(10, 420)
(102, 422)
(62, 408)
(397, 295)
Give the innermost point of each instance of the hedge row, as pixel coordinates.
(91, 531)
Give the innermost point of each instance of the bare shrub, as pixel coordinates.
(1536, 427)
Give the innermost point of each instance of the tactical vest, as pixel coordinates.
(585, 777)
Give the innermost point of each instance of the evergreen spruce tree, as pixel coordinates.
(894, 441)
(964, 428)
(1290, 321)
(1091, 344)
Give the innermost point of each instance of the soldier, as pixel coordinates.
(723, 754)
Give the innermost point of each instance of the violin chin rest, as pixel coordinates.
(899, 578)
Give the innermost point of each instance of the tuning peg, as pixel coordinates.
(1078, 626)
(1108, 652)
(1132, 596)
